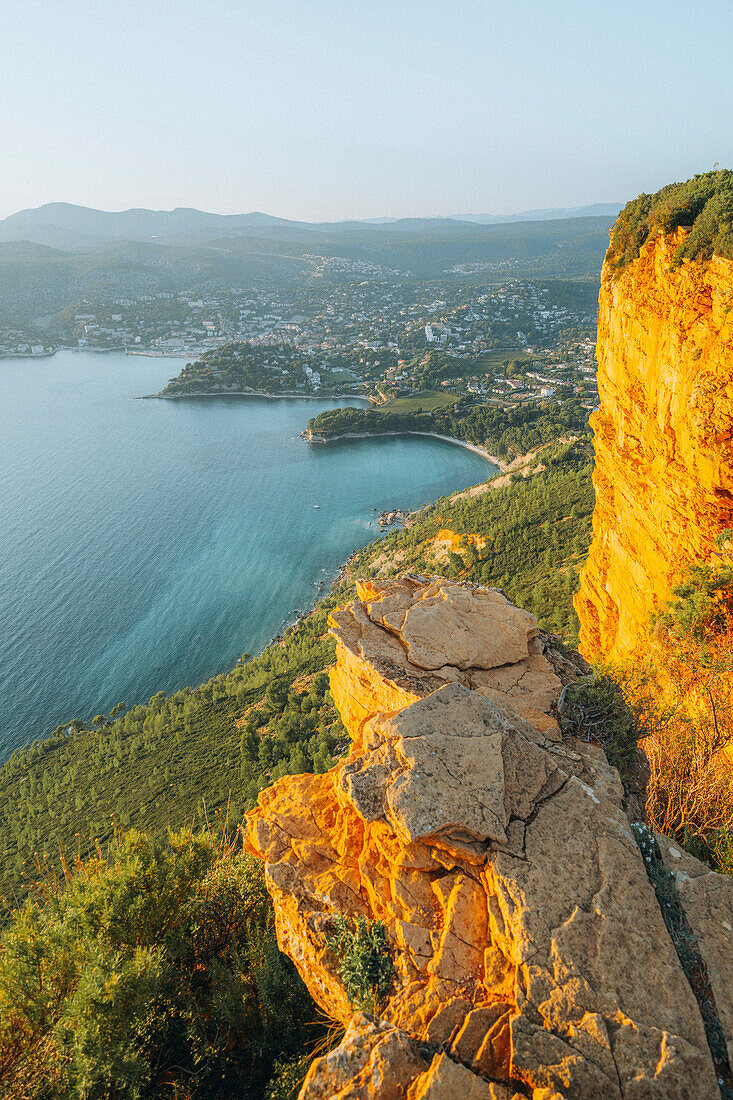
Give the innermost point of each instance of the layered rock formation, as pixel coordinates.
(530, 954)
(664, 460)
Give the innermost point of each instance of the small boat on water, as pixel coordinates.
(316, 506)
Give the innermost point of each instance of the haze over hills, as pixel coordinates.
(73, 252)
(598, 209)
(67, 226)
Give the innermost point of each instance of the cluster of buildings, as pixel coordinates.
(364, 318)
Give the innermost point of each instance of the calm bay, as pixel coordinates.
(145, 545)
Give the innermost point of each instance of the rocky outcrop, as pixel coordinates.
(664, 459)
(530, 954)
(404, 639)
(378, 1059)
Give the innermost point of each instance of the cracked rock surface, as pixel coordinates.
(531, 958)
(405, 638)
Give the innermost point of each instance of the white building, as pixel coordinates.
(437, 334)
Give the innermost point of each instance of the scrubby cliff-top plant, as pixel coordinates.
(153, 972)
(703, 603)
(705, 203)
(597, 708)
(366, 966)
(691, 785)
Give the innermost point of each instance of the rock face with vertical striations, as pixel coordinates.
(664, 456)
(531, 958)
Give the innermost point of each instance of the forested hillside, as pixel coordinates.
(504, 432)
(36, 279)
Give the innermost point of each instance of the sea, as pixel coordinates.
(145, 545)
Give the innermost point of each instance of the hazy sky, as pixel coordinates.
(360, 108)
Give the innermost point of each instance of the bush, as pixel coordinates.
(689, 705)
(596, 708)
(703, 602)
(287, 1078)
(715, 849)
(704, 202)
(153, 972)
(366, 963)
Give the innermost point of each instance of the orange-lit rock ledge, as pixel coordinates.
(664, 460)
(531, 956)
(405, 638)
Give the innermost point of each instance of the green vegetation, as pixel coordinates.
(683, 694)
(493, 360)
(704, 202)
(426, 401)
(152, 972)
(596, 708)
(174, 760)
(366, 967)
(504, 432)
(703, 602)
(535, 536)
(270, 369)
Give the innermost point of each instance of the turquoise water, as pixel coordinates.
(145, 545)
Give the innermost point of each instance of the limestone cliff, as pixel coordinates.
(664, 458)
(531, 957)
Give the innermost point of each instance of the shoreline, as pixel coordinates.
(498, 462)
(94, 351)
(253, 393)
(149, 354)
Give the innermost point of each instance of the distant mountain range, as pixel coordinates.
(66, 226)
(59, 255)
(598, 210)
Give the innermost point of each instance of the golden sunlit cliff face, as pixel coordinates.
(530, 956)
(664, 461)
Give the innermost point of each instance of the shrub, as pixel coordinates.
(596, 708)
(714, 848)
(703, 603)
(704, 202)
(153, 972)
(366, 967)
(689, 705)
(287, 1078)
(691, 787)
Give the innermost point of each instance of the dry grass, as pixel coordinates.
(689, 704)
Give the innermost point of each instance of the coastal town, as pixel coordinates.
(352, 328)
